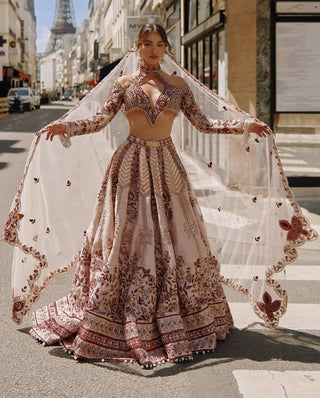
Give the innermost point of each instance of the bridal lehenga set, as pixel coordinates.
(152, 249)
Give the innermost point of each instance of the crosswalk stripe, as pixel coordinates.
(293, 272)
(269, 383)
(298, 316)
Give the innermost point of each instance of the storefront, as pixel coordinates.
(295, 66)
(204, 42)
(12, 77)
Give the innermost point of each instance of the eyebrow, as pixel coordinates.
(161, 41)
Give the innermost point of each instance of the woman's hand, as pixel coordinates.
(260, 128)
(56, 128)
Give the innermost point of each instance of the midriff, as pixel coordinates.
(142, 127)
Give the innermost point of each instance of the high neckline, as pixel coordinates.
(147, 69)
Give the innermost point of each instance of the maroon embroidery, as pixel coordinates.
(18, 306)
(68, 183)
(268, 306)
(204, 124)
(36, 179)
(210, 165)
(131, 299)
(295, 228)
(101, 118)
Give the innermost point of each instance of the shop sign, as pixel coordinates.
(134, 26)
(298, 7)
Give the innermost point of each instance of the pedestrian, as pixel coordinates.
(147, 286)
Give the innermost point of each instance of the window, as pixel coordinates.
(202, 60)
(192, 14)
(204, 10)
(197, 11)
(194, 60)
(214, 62)
(206, 63)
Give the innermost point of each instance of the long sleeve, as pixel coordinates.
(203, 123)
(102, 117)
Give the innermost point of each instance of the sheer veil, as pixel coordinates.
(253, 221)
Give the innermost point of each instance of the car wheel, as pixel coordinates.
(29, 107)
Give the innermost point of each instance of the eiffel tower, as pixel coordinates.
(64, 23)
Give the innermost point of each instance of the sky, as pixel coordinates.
(45, 10)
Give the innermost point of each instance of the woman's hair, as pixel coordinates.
(150, 28)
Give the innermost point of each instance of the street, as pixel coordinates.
(254, 362)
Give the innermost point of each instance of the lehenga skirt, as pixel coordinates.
(147, 287)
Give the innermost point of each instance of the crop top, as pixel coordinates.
(171, 98)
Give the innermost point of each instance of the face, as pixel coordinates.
(152, 49)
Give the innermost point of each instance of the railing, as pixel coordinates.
(4, 108)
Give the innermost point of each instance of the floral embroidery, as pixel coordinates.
(158, 306)
(295, 228)
(268, 306)
(204, 124)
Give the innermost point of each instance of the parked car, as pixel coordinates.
(36, 99)
(25, 94)
(66, 97)
(16, 105)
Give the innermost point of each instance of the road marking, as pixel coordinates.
(293, 161)
(298, 316)
(267, 384)
(302, 169)
(293, 272)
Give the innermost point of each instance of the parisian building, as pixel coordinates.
(239, 49)
(17, 45)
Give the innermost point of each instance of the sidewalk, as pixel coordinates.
(308, 140)
(300, 158)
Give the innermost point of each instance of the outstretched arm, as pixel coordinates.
(91, 124)
(207, 125)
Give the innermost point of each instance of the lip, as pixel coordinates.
(154, 56)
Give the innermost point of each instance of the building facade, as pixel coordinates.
(231, 46)
(17, 45)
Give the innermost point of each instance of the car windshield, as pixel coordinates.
(19, 91)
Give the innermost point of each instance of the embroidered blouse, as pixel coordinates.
(171, 98)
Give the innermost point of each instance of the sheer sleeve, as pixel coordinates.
(203, 123)
(102, 117)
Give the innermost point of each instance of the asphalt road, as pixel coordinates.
(271, 361)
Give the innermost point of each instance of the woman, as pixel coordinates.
(147, 287)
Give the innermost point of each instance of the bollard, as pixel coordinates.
(4, 108)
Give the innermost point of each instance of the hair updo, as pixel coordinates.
(150, 28)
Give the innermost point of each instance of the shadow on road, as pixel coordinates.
(258, 346)
(6, 146)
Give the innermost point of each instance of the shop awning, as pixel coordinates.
(24, 76)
